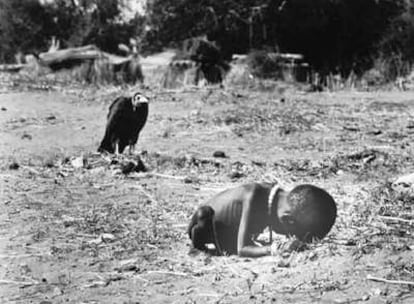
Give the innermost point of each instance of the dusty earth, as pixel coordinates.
(74, 229)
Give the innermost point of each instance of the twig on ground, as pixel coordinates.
(221, 298)
(236, 272)
(181, 274)
(267, 120)
(95, 284)
(31, 170)
(150, 174)
(369, 277)
(18, 256)
(168, 176)
(397, 219)
(142, 279)
(141, 189)
(151, 246)
(9, 176)
(182, 225)
(209, 295)
(18, 282)
(347, 301)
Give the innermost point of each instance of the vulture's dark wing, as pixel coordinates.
(140, 118)
(115, 127)
(117, 102)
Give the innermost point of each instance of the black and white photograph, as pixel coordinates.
(206, 151)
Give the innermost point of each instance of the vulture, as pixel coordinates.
(126, 118)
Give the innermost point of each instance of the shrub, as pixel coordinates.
(262, 65)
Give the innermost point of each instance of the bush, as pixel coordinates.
(262, 65)
(333, 35)
(397, 46)
(27, 26)
(24, 27)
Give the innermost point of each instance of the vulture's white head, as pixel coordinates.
(137, 99)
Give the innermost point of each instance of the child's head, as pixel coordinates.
(308, 212)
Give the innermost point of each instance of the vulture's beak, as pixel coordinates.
(138, 98)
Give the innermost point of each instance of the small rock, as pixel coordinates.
(236, 175)
(50, 163)
(14, 166)
(351, 128)
(51, 117)
(127, 265)
(107, 237)
(140, 167)
(188, 180)
(3, 109)
(25, 268)
(219, 154)
(350, 242)
(195, 112)
(97, 170)
(297, 245)
(116, 172)
(312, 256)
(114, 161)
(68, 220)
(57, 291)
(283, 264)
(194, 252)
(404, 182)
(27, 136)
(65, 160)
(375, 132)
(369, 158)
(340, 172)
(365, 298)
(166, 133)
(128, 167)
(78, 162)
(96, 241)
(285, 254)
(376, 291)
(133, 166)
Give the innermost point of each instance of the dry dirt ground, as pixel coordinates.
(75, 229)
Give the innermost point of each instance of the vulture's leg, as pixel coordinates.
(131, 149)
(117, 148)
(133, 144)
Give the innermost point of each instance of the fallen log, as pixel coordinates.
(86, 52)
(11, 67)
(100, 67)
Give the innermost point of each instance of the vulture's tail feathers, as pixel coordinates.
(106, 146)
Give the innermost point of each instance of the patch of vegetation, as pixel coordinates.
(263, 66)
(246, 119)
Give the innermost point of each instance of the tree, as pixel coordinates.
(96, 22)
(399, 39)
(226, 22)
(24, 27)
(27, 26)
(339, 36)
(334, 35)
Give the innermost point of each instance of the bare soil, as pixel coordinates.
(74, 229)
